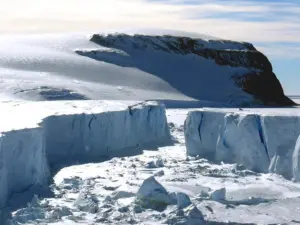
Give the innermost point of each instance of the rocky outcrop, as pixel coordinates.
(258, 79)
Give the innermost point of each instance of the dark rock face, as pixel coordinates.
(260, 81)
(264, 86)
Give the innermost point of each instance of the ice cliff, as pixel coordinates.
(263, 140)
(38, 135)
(211, 70)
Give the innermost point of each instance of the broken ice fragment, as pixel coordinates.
(183, 200)
(218, 195)
(153, 195)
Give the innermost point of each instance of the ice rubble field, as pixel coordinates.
(159, 186)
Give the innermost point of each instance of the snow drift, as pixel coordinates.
(63, 132)
(264, 141)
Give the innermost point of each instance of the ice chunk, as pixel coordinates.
(180, 213)
(137, 208)
(29, 214)
(160, 173)
(150, 165)
(155, 164)
(159, 163)
(153, 195)
(183, 200)
(194, 215)
(122, 194)
(86, 203)
(218, 195)
(58, 213)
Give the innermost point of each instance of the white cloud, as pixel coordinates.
(277, 51)
(281, 24)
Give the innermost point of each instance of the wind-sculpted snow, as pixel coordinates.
(36, 137)
(136, 66)
(262, 140)
(250, 71)
(174, 44)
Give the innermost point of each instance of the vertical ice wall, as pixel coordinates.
(27, 154)
(23, 162)
(241, 141)
(296, 161)
(92, 136)
(261, 142)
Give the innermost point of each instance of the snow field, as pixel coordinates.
(72, 67)
(71, 132)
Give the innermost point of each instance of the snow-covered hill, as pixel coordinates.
(135, 67)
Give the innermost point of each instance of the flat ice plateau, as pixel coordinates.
(37, 136)
(263, 140)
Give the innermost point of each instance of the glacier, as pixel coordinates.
(263, 140)
(37, 136)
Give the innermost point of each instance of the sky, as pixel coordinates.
(273, 26)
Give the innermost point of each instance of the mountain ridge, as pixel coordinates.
(255, 82)
(138, 65)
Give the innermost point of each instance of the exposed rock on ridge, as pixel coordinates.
(259, 81)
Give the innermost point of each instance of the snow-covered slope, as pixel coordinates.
(125, 67)
(36, 135)
(263, 140)
(214, 70)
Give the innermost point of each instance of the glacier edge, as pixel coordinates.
(82, 132)
(262, 140)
